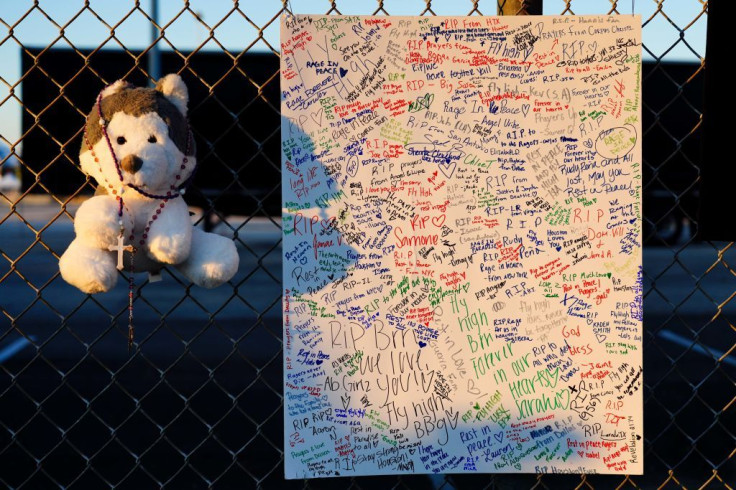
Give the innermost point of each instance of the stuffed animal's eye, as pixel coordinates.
(121, 140)
(152, 139)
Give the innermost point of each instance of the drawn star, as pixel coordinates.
(572, 389)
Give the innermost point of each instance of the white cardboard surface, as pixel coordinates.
(462, 244)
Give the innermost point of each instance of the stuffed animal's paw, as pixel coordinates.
(213, 260)
(89, 269)
(169, 249)
(97, 222)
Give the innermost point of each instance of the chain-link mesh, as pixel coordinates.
(199, 401)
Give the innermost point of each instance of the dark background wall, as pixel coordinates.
(236, 129)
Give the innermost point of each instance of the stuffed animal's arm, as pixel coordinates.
(97, 223)
(170, 236)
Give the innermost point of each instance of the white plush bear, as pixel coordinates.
(139, 149)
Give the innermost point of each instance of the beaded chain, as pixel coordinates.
(173, 192)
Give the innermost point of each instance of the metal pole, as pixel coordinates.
(154, 54)
(520, 7)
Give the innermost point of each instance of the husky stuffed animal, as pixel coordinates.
(138, 147)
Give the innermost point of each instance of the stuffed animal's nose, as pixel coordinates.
(131, 164)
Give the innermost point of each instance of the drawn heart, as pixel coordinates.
(476, 406)
(345, 401)
(331, 276)
(600, 338)
(588, 143)
(525, 109)
(318, 361)
(473, 390)
(438, 221)
(319, 113)
(558, 248)
(422, 344)
(498, 437)
(448, 169)
(633, 220)
(593, 47)
(638, 437)
(421, 103)
(343, 72)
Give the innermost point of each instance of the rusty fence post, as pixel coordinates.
(520, 7)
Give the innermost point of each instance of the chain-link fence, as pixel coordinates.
(198, 402)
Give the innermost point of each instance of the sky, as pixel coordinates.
(40, 27)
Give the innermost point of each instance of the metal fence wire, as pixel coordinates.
(198, 402)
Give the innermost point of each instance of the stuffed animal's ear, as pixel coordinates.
(174, 89)
(114, 88)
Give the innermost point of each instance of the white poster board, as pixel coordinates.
(462, 244)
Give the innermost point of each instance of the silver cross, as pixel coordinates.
(120, 248)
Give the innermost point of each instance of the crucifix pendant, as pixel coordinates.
(120, 248)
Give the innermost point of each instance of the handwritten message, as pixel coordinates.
(462, 244)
